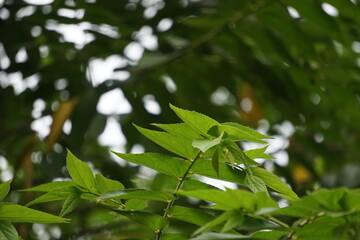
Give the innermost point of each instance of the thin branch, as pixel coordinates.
(178, 187)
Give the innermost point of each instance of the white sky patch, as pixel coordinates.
(25, 12)
(113, 102)
(146, 38)
(4, 13)
(293, 12)
(151, 105)
(246, 104)
(67, 127)
(39, 2)
(218, 183)
(134, 51)
(70, 13)
(281, 158)
(286, 129)
(42, 126)
(330, 9)
(220, 96)
(356, 46)
(113, 136)
(74, 33)
(101, 70)
(169, 84)
(164, 24)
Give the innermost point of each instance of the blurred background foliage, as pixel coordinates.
(72, 70)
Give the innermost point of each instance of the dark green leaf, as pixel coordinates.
(215, 160)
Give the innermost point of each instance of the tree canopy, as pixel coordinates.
(288, 68)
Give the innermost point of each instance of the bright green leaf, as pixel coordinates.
(275, 183)
(171, 166)
(135, 204)
(271, 235)
(8, 231)
(171, 142)
(57, 194)
(218, 220)
(255, 184)
(236, 134)
(204, 167)
(80, 172)
(215, 160)
(197, 121)
(218, 236)
(138, 194)
(70, 203)
(4, 189)
(16, 213)
(258, 153)
(150, 220)
(47, 187)
(247, 130)
(180, 129)
(235, 154)
(191, 215)
(106, 185)
(206, 144)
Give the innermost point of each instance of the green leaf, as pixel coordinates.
(218, 220)
(16, 213)
(219, 236)
(206, 144)
(57, 194)
(138, 194)
(70, 203)
(233, 199)
(197, 121)
(258, 153)
(275, 183)
(174, 236)
(180, 129)
(150, 220)
(135, 204)
(247, 130)
(104, 184)
(235, 219)
(225, 200)
(271, 235)
(171, 166)
(255, 184)
(81, 173)
(235, 154)
(215, 160)
(236, 134)
(171, 142)
(204, 167)
(47, 187)
(4, 189)
(191, 215)
(8, 231)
